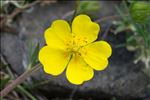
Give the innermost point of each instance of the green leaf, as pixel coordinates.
(88, 6)
(23, 90)
(131, 42)
(140, 11)
(4, 80)
(34, 56)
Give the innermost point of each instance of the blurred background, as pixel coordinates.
(125, 24)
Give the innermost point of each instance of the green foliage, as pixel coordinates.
(88, 7)
(6, 77)
(140, 11)
(136, 29)
(23, 90)
(4, 80)
(33, 55)
(5, 4)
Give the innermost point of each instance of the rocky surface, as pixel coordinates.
(12, 49)
(121, 79)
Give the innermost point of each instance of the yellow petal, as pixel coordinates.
(83, 26)
(57, 34)
(53, 60)
(96, 54)
(78, 71)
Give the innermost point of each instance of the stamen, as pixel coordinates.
(75, 43)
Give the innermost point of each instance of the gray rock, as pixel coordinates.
(12, 49)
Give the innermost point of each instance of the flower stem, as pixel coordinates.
(19, 80)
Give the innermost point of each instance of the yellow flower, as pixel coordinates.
(74, 49)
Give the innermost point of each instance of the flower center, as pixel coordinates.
(75, 43)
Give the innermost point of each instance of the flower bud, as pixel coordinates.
(140, 11)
